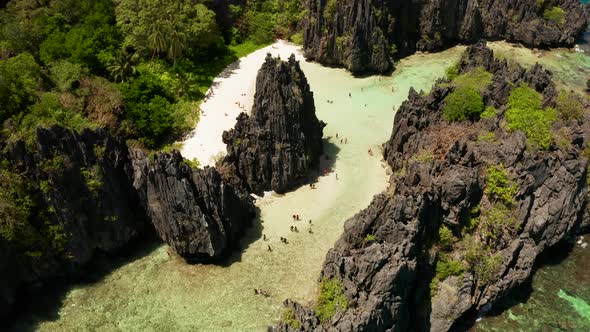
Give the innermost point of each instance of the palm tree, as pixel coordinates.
(177, 45)
(156, 40)
(124, 65)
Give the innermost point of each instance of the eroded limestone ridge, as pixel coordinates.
(281, 141)
(471, 205)
(364, 35)
(192, 210)
(67, 196)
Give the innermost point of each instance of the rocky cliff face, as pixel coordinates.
(192, 210)
(281, 141)
(365, 35)
(469, 209)
(71, 195)
(76, 198)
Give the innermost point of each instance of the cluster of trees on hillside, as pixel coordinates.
(138, 67)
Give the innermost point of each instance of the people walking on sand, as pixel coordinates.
(336, 135)
(370, 152)
(349, 95)
(269, 248)
(310, 231)
(310, 221)
(336, 176)
(263, 237)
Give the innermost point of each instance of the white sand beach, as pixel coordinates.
(234, 92)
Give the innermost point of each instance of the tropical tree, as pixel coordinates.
(156, 40)
(124, 65)
(177, 45)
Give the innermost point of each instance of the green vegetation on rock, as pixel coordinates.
(570, 105)
(463, 103)
(499, 187)
(445, 237)
(525, 113)
(556, 14)
(330, 300)
(489, 112)
(288, 316)
(477, 78)
(445, 268)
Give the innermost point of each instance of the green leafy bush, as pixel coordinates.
(477, 78)
(499, 186)
(462, 104)
(94, 179)
(570, 105)
(330, 10)
(330, 300)
(445, 237)
(445, 268)
(526, 114)
(498, 222)
(489, 112)
(556, 14)
(486, 136)
(288, 316)
(15, 206)
(452, 72)
(483, 262)
(370, 238)
(297, 38)
(64, 74)
(21, 77)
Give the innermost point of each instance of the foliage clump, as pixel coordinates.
(525, 113)
(370, 238)
(556, 14)
(463, 103)
(477, 78)
(330, 300)
(445, 237)
(445, 268)
(499, 186)
(569, 105)
(452, 72)
(288, 316)
(489, 112)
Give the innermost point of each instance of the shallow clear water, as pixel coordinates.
(159, 291)
(557, 300)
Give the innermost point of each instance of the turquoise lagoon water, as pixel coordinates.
(158, 291)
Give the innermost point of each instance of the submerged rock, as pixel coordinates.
(365, 35)
(281, 141)
(464, 218)
(192, 210)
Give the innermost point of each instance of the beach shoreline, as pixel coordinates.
(234, 91)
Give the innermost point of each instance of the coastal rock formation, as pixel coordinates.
(192, 210)
(365, 35)
(470, 207)
(281, 141)
(64, 197)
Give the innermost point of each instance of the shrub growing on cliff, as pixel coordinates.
(463, 103)
(499, 186)
(15, 206)
(556, 14)
(445, 268)
(445, 237)
(452, 72)
(288, 316)
(569, 105)
(477, 78)
(330, 300)
(525, 113)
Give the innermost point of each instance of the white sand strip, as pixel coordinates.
(232, 92)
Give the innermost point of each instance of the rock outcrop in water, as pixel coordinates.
(192, 210)
(281, 141)
(470, 207)
(67, 196)
(75, 198)
(365, 35)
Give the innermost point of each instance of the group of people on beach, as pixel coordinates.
(261, 292)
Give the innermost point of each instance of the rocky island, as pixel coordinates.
(482, 185)
(277, 146)
(365, 35)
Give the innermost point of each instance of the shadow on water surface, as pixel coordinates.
(49, 296)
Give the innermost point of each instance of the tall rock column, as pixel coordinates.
(275, 147)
